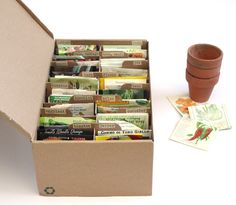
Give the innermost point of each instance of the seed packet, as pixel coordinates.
(130, 103)
(121, 125)
(126, 93)
(73, 68)
(66, 120)
(144, 133)
(181, 104)
(63, 133)
(54, 98)
(121, 47)
(63, 58)
(121, 54)
(76, 109)
(117, 82)
(118, 62)
(113, 109)
(141, 120)
(193, 133)
(127, 71)
(215, 114)
(60, 91)
(78, 82)
(72, 49)
(122, 137)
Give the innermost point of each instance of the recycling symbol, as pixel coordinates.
(49, 190)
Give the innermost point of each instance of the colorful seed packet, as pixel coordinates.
(71, 49)
(193, 133)
(117, 82)
(141, 120)
(77, 82)
(214, 114)
(65, 120)
(126, 93)
(122, 137)
(181, 104)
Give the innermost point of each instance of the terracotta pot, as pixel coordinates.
(202, 73)
(200, 89)
(205, 56)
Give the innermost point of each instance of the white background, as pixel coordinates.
(182, 175)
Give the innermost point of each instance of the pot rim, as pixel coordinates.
(205, 60)
(201, 82)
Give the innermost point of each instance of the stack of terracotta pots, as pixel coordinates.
(203, 70)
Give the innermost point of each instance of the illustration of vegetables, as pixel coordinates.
(202, 132)
(210, 112)
(184, 103)
(197, 133)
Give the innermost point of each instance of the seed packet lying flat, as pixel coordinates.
(215, 114)
(65, 120)
(193, 133)
(181, 104)
(141, 120)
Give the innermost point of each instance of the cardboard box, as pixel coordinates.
(63, 168)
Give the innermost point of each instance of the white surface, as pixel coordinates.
(182, 175)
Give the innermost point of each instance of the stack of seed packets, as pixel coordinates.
(199, 122)
(97, 91)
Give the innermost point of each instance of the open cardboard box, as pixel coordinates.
(63, 168)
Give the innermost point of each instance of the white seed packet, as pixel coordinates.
(215, 114)
(181, 104)
(193, 133)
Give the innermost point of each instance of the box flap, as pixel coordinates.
(27, 47)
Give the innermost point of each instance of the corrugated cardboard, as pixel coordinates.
(64, 168)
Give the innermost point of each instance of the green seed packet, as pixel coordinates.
(126, 93)
(65, 120)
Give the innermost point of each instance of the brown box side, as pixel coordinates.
(94, 168)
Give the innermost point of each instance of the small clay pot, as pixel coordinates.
(205, 56)
(200, 89)
(202, 73)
